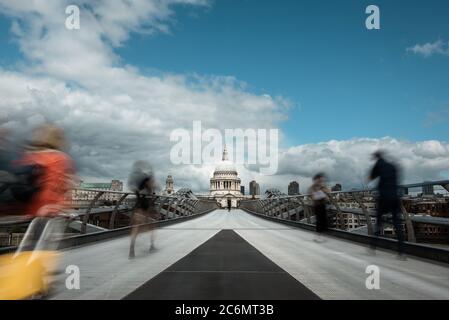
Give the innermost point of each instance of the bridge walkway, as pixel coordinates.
(291, 263)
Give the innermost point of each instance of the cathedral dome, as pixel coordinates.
(225, 184)
(225, 166)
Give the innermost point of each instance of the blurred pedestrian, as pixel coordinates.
(50, 172)
(388, 200)
(141, 181)
(43, 175)
(319, 194)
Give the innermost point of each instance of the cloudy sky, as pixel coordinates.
(137, 70)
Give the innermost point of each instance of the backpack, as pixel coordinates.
(24, 186)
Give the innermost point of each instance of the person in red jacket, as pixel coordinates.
(53, 180)
(56, 171)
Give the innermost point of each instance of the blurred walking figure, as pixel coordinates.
(229, 205)
(388, 200)
(141, 182)
(51, 173)
(41, 178)
(319, 193)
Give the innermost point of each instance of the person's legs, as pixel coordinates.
(317, 219)
(153, 216)
(52, 233)
(135, 222)
(379, 223)
(381, 211)
(152, 238)
(320, 216)
(32, 234)
(324, 218)
(49, 241)
(134, 232)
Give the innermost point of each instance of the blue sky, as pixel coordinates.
(343, 80)
(349, 87)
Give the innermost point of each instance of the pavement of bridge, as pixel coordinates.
(334, 269)
(225, 267)
(107, 273)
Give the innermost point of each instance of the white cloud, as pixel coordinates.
(348, 162)
(114, 114)
(430, 49)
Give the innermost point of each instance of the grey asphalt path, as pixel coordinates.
(334, 269)
(226, 267)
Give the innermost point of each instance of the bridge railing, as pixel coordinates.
(344, 206)
(171, 207)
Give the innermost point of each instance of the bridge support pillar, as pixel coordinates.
(369, 224)
(308, 211)
(303, 205)
(335, 204)
(114, 213)
(171, 210)
(408, 225)
(89, 209)
(264, 207)
(296, 207)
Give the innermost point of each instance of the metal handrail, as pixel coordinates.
(277, 206)
(371, 190)
(177, 203)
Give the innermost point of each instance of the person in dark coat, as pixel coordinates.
(319, 193)
(388, 200)
(141, 182)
